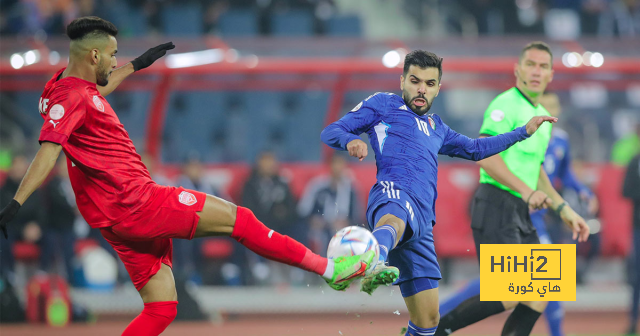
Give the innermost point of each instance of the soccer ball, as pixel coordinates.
(353, 240)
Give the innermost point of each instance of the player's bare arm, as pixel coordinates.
(143, 61)
(117, 76)
(575, 222)
(38, 171)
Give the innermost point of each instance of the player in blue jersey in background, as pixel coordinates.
(406, 140)
(557, 165)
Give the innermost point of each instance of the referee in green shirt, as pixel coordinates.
(511, 184)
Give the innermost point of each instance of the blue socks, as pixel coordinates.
(414, 330)
(555, 315)
(386, 236)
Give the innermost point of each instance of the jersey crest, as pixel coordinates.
(98, 103)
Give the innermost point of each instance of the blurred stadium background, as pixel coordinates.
(236, 110)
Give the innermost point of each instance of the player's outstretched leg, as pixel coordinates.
(160, 301)
(471, 289)
(220, 218)
(388, 231)
(468, 312)
(555, 316)
(553, 313)
(523, 318)
(519, 323)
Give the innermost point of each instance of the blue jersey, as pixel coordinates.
(407, 145)
(557, 163)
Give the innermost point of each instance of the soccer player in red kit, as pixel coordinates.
(115, 193)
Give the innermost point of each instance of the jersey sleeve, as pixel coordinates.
(496, 119)
(459, 145)
(65, 113)
(357, 121)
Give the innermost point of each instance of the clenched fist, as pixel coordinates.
(357, 148)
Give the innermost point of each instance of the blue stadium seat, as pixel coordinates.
(264, 116)
(132, 108)
(304, 124)
(191, 119)
(183, 20)
(344, 25)
(26, 105)
(237, 126)
(137, 22)
(130, 20)
(238, 23)
(292, 23)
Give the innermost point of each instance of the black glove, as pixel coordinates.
(7, 215)
(151, 56)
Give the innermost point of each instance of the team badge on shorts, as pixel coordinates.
(98, 103)
(187, 198)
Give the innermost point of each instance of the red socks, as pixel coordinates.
(250, 232)
(153, 320)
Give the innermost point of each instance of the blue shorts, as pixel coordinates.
(415, 254)
(417, 285)
(537, 219)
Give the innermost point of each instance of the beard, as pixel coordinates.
(102, 76)
(419, 110)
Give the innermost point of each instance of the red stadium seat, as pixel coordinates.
(82, 244)
(217, 248)
(23, 251)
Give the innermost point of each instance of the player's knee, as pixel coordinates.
(172, 313)
(509, 304)
(538, 306)
(428, 320)
(160, 287)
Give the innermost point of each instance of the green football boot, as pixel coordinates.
(347, 269)
(382, 274)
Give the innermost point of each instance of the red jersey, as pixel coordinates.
(107, 175)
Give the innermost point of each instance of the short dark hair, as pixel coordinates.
(81, 27)
(536, 45)
(423, 59)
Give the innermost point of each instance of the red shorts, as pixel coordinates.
(143, 241)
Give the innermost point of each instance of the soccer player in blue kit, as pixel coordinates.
(406, 140)
(557, 165)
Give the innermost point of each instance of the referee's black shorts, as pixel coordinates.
(498, 217)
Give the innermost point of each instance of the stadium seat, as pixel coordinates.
(305, 120)
(216, 248)
(183, 20)
(23, 251)
(344, 25)
(82, 244)
(292, 23)
(191, 119)
(238, 23)
(136, 22)
(132, 107)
